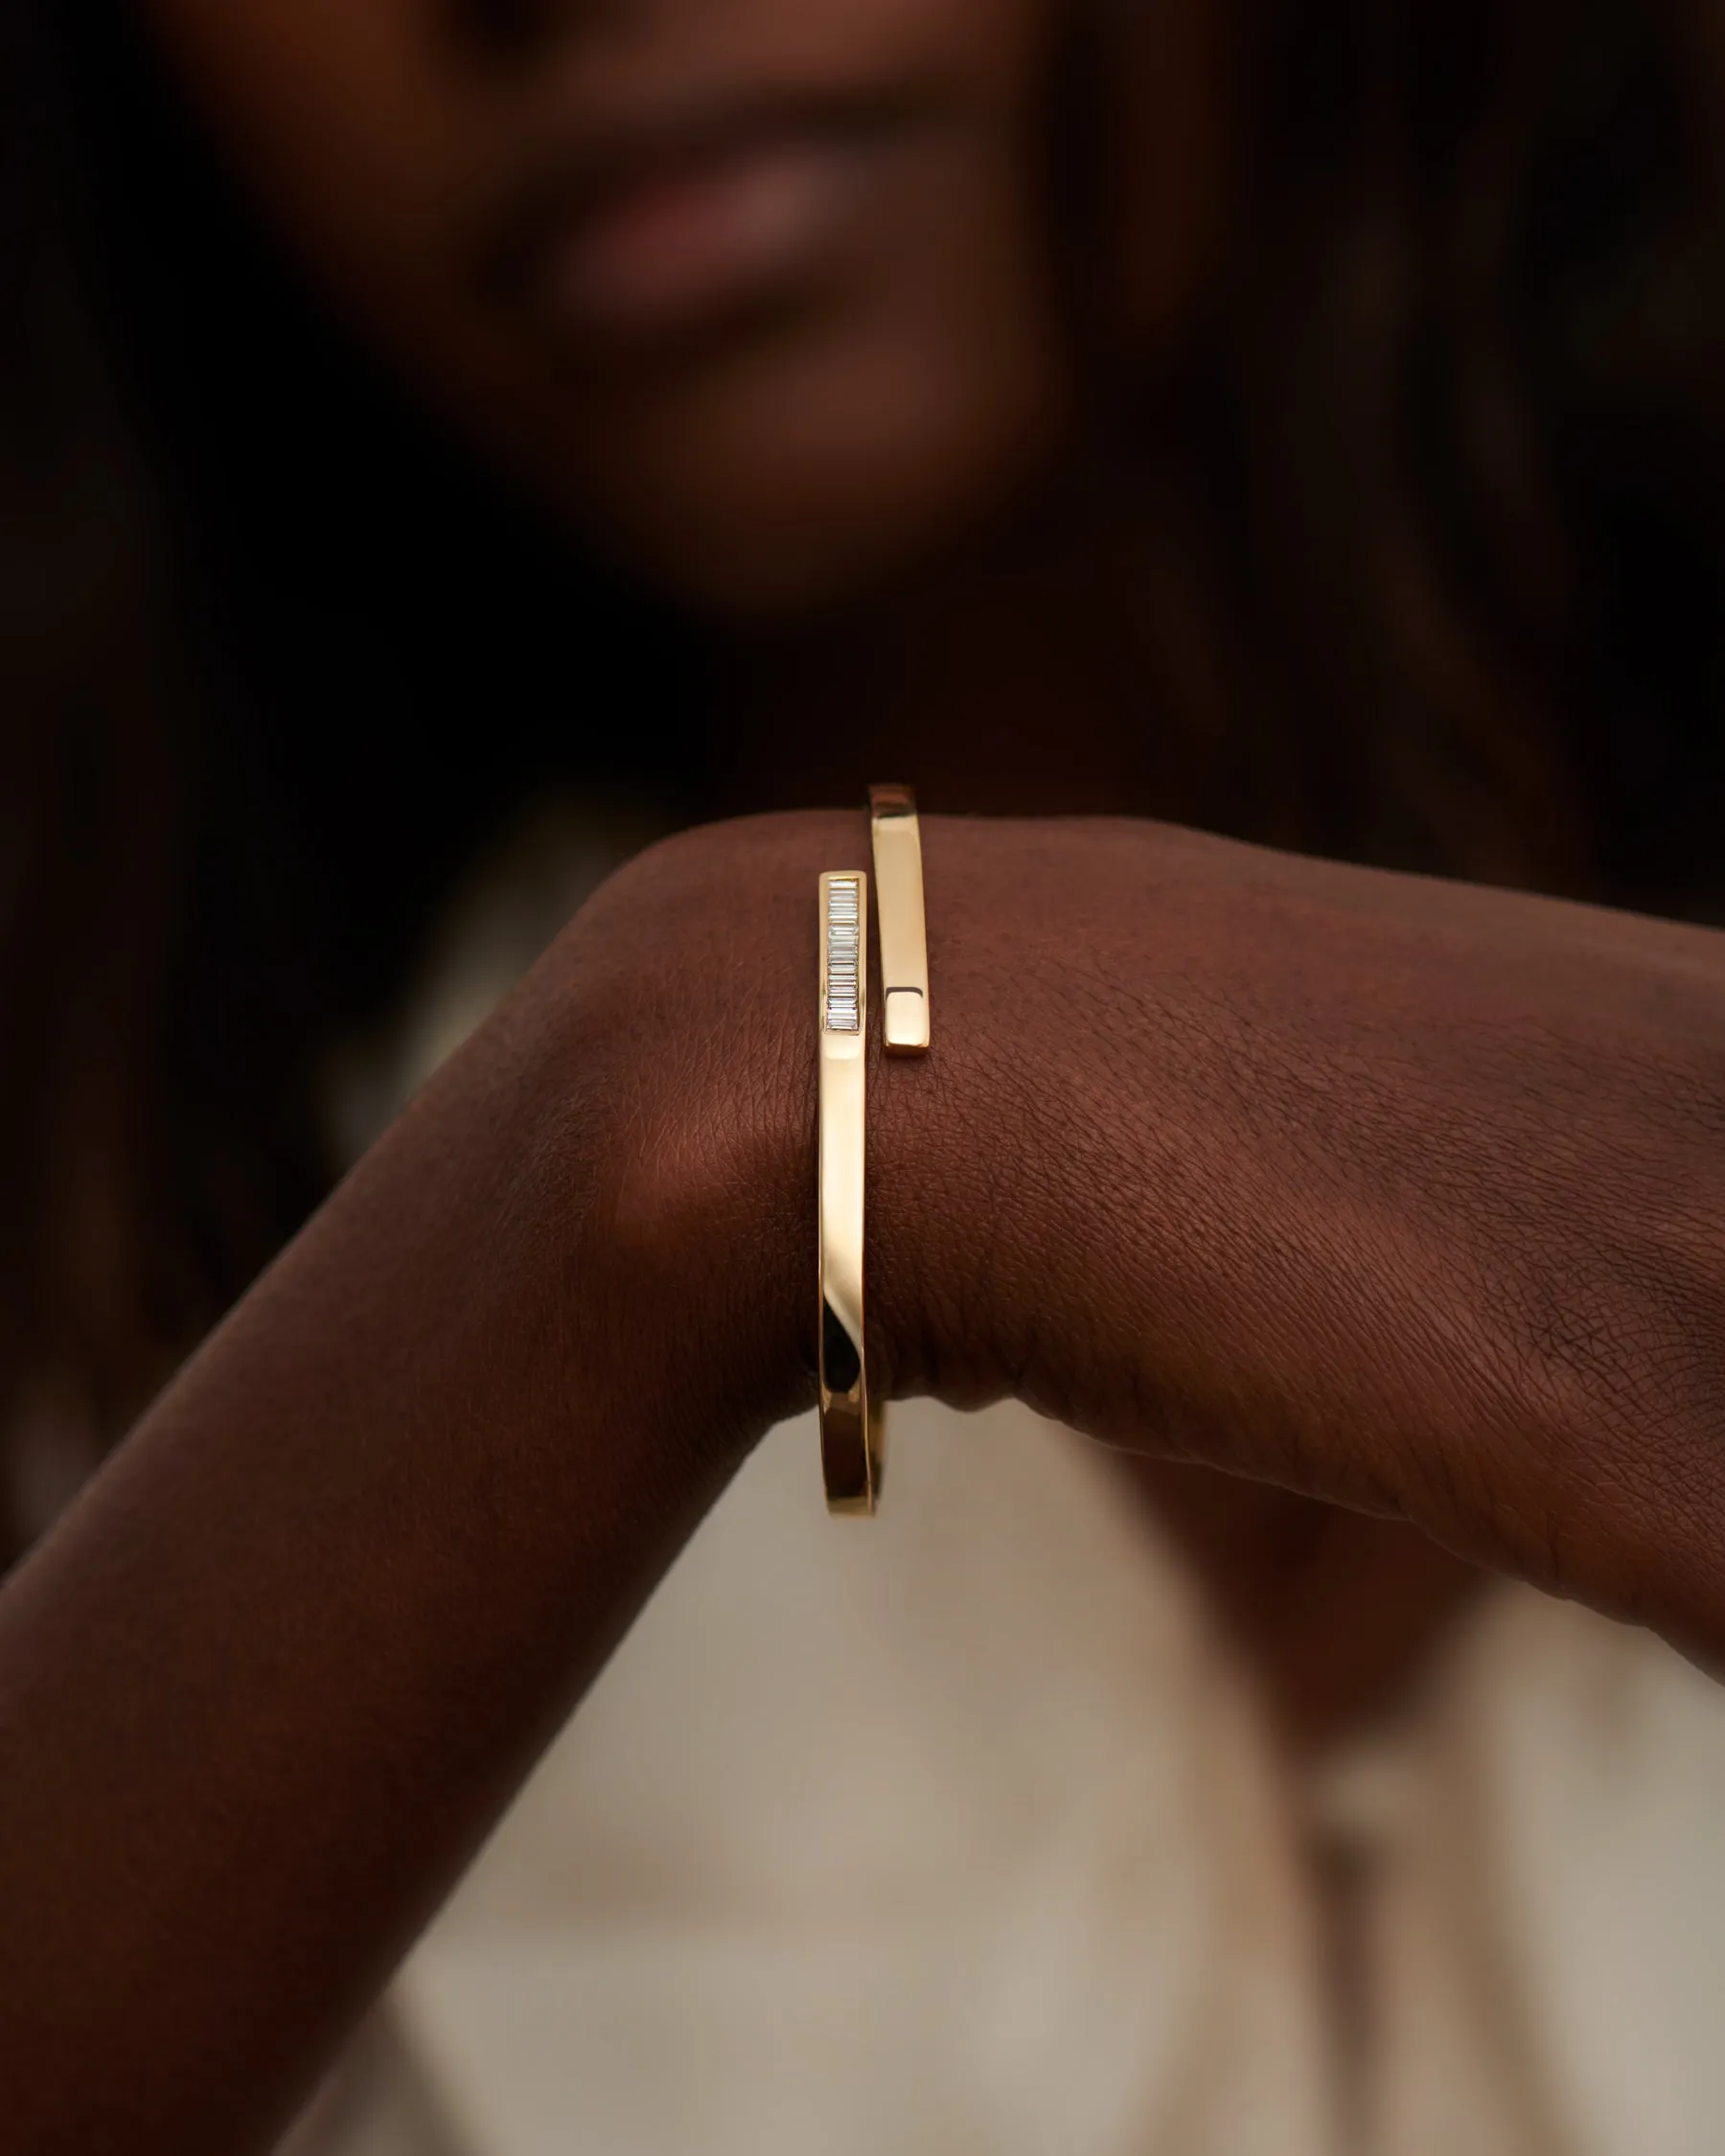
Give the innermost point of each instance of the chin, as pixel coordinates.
(783, 573)
(786, 498)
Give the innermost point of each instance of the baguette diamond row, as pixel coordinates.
(844, 943)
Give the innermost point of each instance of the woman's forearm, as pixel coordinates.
(270, 1682)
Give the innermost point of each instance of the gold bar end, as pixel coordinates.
(905, 1031)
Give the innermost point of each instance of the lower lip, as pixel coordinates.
(682, 250)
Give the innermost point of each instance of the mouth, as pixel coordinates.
(648, 235)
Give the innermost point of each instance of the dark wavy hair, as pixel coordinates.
(1429, 512)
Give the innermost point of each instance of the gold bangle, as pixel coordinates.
(904, 934)
(852, 1427)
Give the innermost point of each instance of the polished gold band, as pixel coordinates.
(853, 1428)
(852, 1431)
(904, 934)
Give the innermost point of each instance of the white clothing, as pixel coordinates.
(955, 1831)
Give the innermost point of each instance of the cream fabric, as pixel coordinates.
(956, 1832)
(854, 1848)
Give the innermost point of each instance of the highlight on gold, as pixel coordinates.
(904, 936)
(852, 1432)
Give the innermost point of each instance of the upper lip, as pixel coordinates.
(600, 161)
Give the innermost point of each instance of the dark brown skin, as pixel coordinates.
(1403, 1195)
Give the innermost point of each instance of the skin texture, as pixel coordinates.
(889, 386)
(1403, 1195)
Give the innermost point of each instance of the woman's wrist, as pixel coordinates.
(687, 1104)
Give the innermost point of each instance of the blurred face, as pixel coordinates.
(757, 292)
